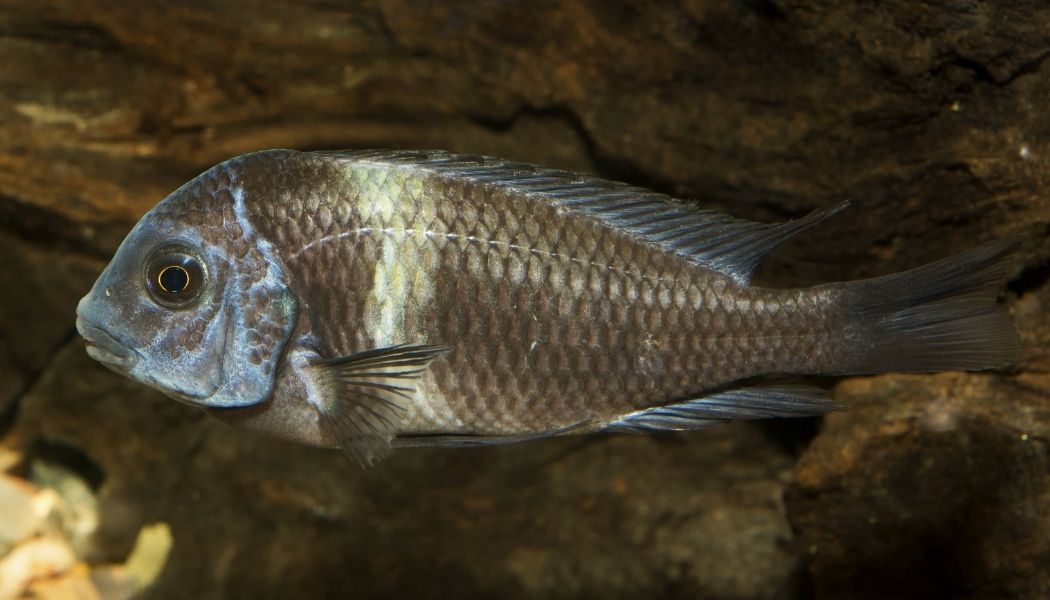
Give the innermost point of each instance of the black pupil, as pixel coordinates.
(173, 279)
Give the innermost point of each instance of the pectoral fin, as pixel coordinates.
(368, 395)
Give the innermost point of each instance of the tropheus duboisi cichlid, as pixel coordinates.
(369, 300)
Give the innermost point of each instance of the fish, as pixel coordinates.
(368, 300)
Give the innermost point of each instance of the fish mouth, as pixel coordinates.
(196, 400)
(105, 348)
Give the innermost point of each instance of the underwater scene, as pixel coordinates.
(567, 299)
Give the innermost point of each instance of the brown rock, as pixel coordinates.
(36, 310)
(929, 487)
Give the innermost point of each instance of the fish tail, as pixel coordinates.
(938, 317)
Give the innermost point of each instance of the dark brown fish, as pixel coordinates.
(364, 300)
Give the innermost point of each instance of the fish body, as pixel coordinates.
(366, 300)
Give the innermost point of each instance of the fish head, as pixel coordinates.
(193, 303)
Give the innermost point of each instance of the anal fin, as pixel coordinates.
(758, 402)
(367, 395)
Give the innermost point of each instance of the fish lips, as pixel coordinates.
(105, 348)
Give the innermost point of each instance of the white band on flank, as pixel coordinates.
(402, 285)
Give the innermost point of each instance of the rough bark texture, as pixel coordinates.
(931, 116)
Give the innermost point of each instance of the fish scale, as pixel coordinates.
(477, 237)
(375, 299)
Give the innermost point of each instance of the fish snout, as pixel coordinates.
(100, 344)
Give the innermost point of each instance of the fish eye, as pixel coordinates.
(175, 276)
(173, 279)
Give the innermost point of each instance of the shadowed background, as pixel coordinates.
(931, 116)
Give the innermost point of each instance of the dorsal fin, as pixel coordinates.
(710, 238)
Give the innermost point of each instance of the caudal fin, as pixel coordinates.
(939, 317)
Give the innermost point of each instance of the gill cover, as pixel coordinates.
(260, 312)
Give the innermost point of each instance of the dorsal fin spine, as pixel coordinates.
(708, 238)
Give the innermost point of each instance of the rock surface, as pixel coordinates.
(943, 498)
(931, 116)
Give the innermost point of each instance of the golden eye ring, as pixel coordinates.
(175, 276)
(174, 279)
